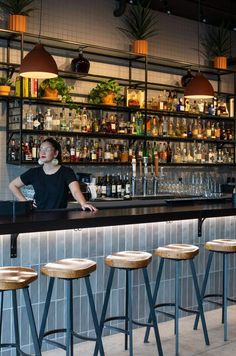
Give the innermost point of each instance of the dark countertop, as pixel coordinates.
(75, 219)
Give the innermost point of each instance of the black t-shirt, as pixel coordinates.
(51, 190)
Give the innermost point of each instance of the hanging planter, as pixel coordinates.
(140, 24)
(220, 62)
(216, 45)
(18, 11)
(17, 23)
(140, 46)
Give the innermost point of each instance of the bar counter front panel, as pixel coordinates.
(48, 236)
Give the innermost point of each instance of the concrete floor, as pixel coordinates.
(191, 342)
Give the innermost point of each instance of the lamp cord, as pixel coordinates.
(198, 34)
(40, 18)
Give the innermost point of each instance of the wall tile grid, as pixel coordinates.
(36, 249)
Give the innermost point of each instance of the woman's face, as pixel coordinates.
(47, 152)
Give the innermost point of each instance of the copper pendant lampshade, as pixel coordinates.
(199, 88)
(38, 63)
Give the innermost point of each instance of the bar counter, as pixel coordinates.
(74, 218)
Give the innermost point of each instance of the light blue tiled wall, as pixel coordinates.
(37, 249)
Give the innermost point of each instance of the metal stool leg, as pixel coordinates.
(94, 316)
(130, 312)
(45, 312)
(152, 311)
(157, 285)
(16, 323)
(204, 286)
(199, 300)
(1, 315)
(105, 304)
(126, 308)
(31, 321)
(69, 317)
(177, 308)
(225, 294)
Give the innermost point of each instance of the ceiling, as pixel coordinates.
(209, 11)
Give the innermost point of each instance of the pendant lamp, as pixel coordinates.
(199, 87)
(39, 63)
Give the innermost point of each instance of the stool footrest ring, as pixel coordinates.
(233, 300)
(117, 329)
(191, 311)
(56, 331)
(17, 348)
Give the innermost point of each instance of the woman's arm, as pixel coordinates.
(15, 186)
(78, 196)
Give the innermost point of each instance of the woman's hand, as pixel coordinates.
(88, 206)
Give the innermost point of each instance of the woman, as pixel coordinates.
(50, 181)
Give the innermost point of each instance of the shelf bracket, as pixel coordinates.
(200, 222)
(13, 246)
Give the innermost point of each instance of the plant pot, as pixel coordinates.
(5, 90)
(108, 99)
(17, 23)
(220, 62)
(51, 94)
(140, 46)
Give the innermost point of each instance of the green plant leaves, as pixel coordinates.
(102, 89)
(216, 42)
(17, 7)
(140, 21)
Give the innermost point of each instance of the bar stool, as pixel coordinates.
(13, 279)
(178, 253)
(224, 247)
(68, 270)
(129, 261)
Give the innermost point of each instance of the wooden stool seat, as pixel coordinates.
(12, 278)
(177, 251)
(69, 268)
(221, 245)
(128, 259)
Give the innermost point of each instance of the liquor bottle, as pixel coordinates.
(72, 151)
(154, 129)
(30, 119)
(63, 123)
(104, 187)
(190, 133)
(217, 131)
(84, 120)
(56, 125)
(113, 124)
(195, 129)
(77, 150)
(149, 126)
(139, 123)
(76, 122)
(48, 120)
(27, 154)
(127, 186)
(119, 186)
(38, 120)
(107, 153)
(168, 153)
(35, 150)
(113, 186)
(208, 130)
(171, 132)
(108, 187)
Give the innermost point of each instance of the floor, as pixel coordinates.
(191, 342)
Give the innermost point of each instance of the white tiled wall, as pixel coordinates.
(92, 21)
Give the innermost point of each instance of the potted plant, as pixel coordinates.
(18, 11)
(52, 88)
(216, 45)
(5, 85)
(140, 24)
(105, 92)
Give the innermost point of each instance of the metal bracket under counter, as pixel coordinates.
(13, 245)
(199, 228)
